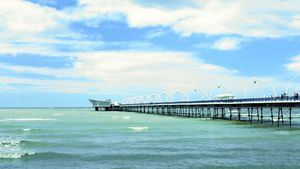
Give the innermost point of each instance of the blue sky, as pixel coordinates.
(60, 53)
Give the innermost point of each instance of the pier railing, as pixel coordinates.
(254, 100)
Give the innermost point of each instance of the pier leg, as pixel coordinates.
(272, 116)
(181, 111)
(257, 112)
(223, 113)
(248, 110)
(290, 116)
(282, 117)
(251, 115)
(214, 113)
(278, 118)
(230, 113)
(239, 113)
(261, 116)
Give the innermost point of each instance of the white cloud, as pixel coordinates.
(36, 85)
(126, 72)
(123, 70)
(226, 44)
(295, 23)
(47, 71)
(294, 65)
(26, 22)
(27, 27)
(255, 18)
(23, 21)
(20, 17)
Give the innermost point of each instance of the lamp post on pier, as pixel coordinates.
(262, 83)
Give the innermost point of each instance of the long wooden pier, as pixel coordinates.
(272, 110)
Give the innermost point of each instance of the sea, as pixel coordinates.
(52, 138)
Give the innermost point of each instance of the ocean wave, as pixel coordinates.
(27, 129)
(114, 117)
(7, 142)
(126, 117)
(35, 155)
(139, 128)
(58, 114)
(10, 148)
(15, 155)
(29, 119)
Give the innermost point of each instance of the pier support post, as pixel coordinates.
(278, 116)
(248, 111)
(251, 115)
(239, 113)
(261, 115)
(272, 116)
(257, 113)
(223, 113)
(214, 113)
(282, 117)
(290, 116)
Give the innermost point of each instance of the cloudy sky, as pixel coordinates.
(60, 53)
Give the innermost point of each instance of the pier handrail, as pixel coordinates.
(254, 100)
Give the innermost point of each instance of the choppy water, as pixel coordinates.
(66, 138)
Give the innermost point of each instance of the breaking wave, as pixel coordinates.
(15, 155)
(126, 117)
(29, 119)
(138, 128)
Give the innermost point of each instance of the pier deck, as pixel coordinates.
(273, 110)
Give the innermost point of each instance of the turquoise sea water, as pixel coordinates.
(69, 138)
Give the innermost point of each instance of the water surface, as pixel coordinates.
(82, 138)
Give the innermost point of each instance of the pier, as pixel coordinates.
(280, 111)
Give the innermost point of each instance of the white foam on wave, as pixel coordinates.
(26, 129)
(14, 155)
(58, 114)
(138, 128)
(114, 117)
(10, 143)
(282, 133)
(10, 148)
(29, 119)
(126, 117)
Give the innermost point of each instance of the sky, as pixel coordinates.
(61, 53)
